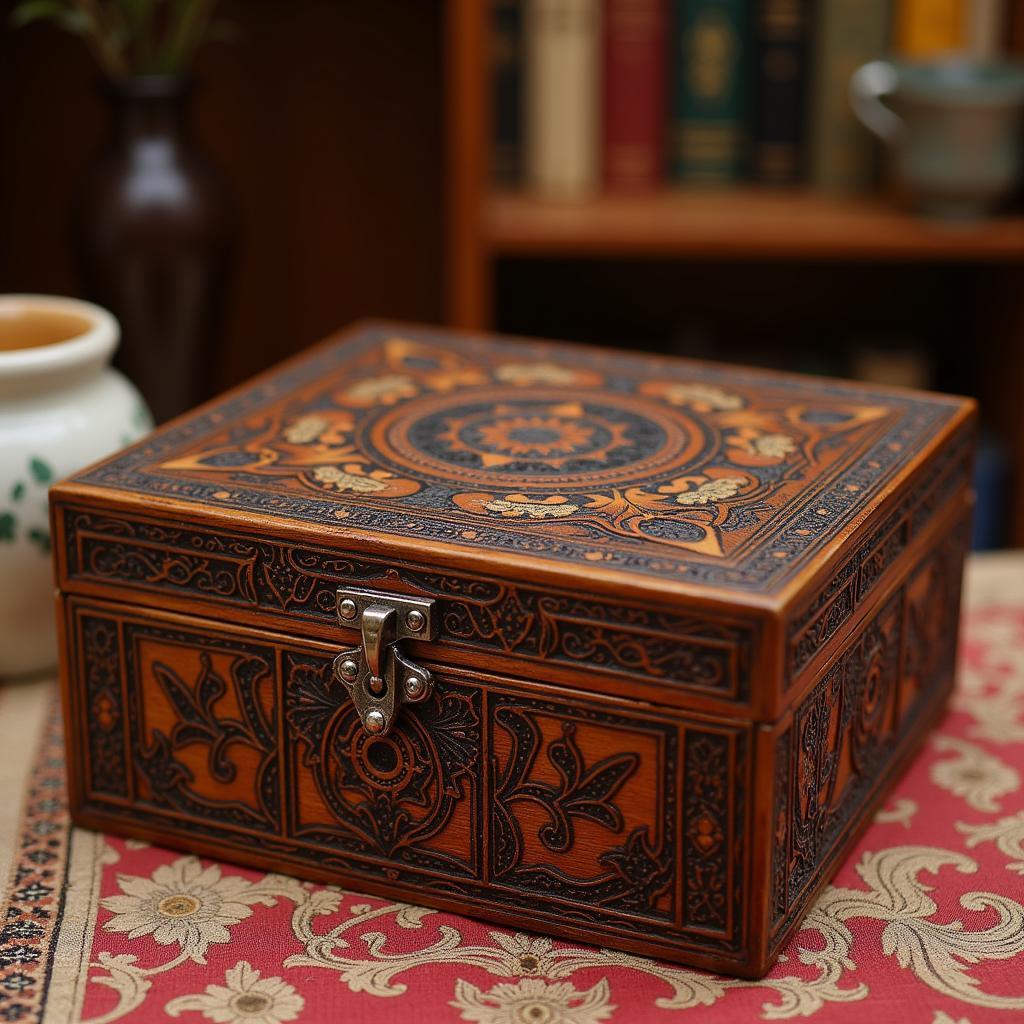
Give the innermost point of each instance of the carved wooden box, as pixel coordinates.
(616, 648)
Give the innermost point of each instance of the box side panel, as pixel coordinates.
(836, 753)
(595, 819)
(824, 615)
(698, 658)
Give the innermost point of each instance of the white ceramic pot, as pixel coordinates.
(62, 407)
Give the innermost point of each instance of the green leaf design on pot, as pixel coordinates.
(41, 538)
(7, 524)
(41, 471)
(18, 491)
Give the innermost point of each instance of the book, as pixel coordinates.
(634, 88)
(708, 60)
(986, 20)
(562, 45)
(506, 81)
(930, 28)
(781, 48)
(843, 154)
(1015, 30)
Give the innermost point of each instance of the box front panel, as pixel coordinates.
(586, 817)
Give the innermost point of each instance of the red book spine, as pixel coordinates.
(635, 74)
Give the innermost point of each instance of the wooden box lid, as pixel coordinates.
(680, 487)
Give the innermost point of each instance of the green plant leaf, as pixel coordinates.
(136, 12)
(7, 524)
(41, 471)
(35, 10)
(186, 31)
(18, 491)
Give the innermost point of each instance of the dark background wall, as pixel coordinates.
(325, 117)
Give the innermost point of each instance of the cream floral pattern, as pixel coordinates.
(1006, 833)
(346, 480)
(517, 505)
(186, 904)
(981, 779)
(525, 954)
(245, 998)
(526, 374)
(773, 446)
(991, 688)
(532, 1001)
(305, 430)
(702, 397)
(940, 954)
(182, 903)
(386, 389)
(713, 490)
(901, 812)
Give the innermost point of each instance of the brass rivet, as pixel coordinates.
(414, 686)
(374, 721)
(347, 609)
(415, 620)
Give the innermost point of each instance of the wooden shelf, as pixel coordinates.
(744, 223)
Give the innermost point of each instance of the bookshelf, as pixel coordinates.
(736, 224)
(485, 226)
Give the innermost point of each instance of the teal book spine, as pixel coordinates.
(709, 66)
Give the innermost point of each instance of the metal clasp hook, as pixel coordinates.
(378, 676)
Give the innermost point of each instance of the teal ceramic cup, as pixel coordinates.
(954, 128)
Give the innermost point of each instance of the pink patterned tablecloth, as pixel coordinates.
(923, 923)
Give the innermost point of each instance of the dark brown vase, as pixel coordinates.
(154, 223)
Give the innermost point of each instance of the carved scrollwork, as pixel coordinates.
(706, 800)
(830, 609)
(107, 762)
(847, 729)
(638, 871)
(201, 720)
(387, 795)
(582, 792)
(703, 654)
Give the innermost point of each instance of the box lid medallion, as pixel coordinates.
(556, 461)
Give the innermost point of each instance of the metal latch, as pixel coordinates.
(378, 676)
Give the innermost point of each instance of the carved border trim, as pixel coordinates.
(845, 591)
(701, 654)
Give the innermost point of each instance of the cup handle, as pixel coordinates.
(868, 85)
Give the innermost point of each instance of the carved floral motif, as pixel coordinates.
(390, 795)
(845, 729)
(638, 870)
(201, 722)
